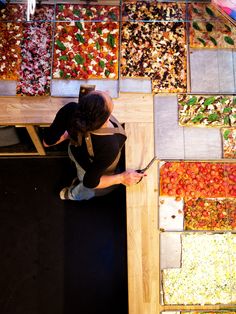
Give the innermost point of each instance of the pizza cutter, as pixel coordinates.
(147, 167)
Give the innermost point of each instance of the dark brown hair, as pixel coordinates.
(91, 114)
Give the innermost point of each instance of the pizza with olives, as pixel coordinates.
(208, 29)
(85, 49)
(143, 10)
(156, 50)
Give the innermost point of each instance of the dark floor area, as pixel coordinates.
(59, 257)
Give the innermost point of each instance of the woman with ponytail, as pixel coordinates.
(96, 140)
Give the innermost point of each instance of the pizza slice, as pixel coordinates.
(229, 142)
(10, 50)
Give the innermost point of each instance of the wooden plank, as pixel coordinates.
(41, 110)
(35, 139)
(142, 232)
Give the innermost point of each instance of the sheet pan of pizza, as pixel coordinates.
(208, 29)
(11, 30)
(207, 110)
(198, 179)
(210, 214)
(86, 48)
(229, 142)
(35, 70)
(154, 49)
(207, 273)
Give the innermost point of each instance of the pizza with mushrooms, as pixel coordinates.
(156, 50)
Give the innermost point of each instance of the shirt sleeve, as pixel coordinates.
(60, 124)
(103, 159)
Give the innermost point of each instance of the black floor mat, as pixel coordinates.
(59, 256)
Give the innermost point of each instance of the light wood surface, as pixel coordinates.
(41, 110)
(142, 224)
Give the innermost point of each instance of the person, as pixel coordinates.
(96, 140)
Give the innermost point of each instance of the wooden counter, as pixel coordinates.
(136, 111)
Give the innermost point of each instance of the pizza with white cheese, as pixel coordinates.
(207, 110)
(85, 49)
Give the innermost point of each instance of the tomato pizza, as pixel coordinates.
(85, 49)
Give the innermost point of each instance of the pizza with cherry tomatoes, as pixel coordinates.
(209, 214)
(85, 49)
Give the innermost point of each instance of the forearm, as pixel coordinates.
(106, 181)
(127, 178)
(64, 137)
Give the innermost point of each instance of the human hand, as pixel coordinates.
(131, 177)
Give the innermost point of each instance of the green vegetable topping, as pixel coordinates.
(79, 25)
(111, 40)
(107, 73)
(112, 16)
(223, 100)
(226, 120)
(90, 56)
(61, 73)
(63, 58)
(209, 101)
(226, 134)
(77, 12)
(196, 26)
(210, 12)
(227, 110)
(229, 40)
(61, 7)
(98, 46)
(102, 64)
(79, 59)
(192, 101)
(80, 38)
(89, 12)
(213, 117)
(228, 28)
(209, 27)
(198, 118)
(213, 40)
(99, 31)
(60, 45)
(195, 10)
(202, 41)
